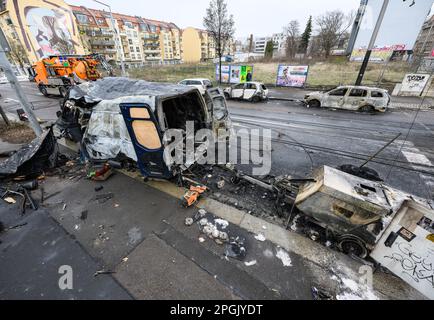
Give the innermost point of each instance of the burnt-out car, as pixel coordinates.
(121, 117)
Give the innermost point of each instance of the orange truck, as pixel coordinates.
(56, 74)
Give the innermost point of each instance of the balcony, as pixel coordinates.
(153, 58)
(99, 33)
(151, 37)
(151, 51)
(102, 42)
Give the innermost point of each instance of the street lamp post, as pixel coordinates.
(118, 37)
(372, 43)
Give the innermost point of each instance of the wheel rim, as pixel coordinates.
(350, 246)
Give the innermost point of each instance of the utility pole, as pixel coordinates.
(372, 43)
(12, 78)
(118, 37)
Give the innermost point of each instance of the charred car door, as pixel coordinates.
(146, 136)
(218, 110)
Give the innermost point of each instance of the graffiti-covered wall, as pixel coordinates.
(44, 27)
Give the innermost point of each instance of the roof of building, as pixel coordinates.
(102, 14)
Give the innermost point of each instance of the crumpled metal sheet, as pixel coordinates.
(114, 88)
(38, 155)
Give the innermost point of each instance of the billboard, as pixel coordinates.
(382, 54)
(292, 76)
(401, 25)
(235, 74)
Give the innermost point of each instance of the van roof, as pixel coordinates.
(113, 88)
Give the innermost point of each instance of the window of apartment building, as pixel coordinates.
(83, 19)
(133, 56)
(135, 34)
(130, 41)
(131, 49)
(128, 24)
(137, 49)
(153, 28)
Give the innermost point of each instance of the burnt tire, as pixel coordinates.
(63, 91)
(367, 109)
(43, 90)
(256, 99)
(352, 245)
(314, 103)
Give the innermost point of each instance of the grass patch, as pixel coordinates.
(16, 133)
(335, 72)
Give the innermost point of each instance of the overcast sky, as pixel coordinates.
(260, 17)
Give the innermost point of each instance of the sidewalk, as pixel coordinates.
(412, 103)
(138, 235)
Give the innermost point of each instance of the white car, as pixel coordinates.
(359, 98)
(251, 91)
(201, 84)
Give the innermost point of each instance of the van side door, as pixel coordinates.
(146, 137)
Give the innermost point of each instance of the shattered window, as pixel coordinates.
(219, 110)
(339, 92)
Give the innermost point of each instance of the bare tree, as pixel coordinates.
(221, 26)
(292, 32)
(17, 53)
(332, 26)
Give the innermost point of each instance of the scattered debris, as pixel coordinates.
(201, 239)
(189, 222)
(236, 249)
(64, 207)
(33, 158)
(101, 272)
(193, 195)
(103, 198)
(283, 256)
(83, 215)
(321, 294)
(102, 174)
(125, 259)
(251, 263)
(99, 188)
(223, 223)
(221, 184)
(260, 237)
(10, 200)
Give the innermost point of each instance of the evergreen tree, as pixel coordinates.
(305, 37)
(269, 50)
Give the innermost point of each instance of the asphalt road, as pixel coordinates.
(307, 138)
(304, 138)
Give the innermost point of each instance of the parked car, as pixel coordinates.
(365, 99)
(251, 91)
(201, 84)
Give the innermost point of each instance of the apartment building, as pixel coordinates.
(197, 45)
(424, 45)
(38, 28)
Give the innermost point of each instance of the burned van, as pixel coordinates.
(120, 117)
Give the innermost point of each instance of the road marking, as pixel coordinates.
(428, 129)
(417, 158)
(9, 99)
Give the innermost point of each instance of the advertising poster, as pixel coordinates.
(292, 76)
(225, 73)
(235, 74)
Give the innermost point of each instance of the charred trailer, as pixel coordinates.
(355, 211)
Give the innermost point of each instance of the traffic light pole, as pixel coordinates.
(372, 43)
(12, 78)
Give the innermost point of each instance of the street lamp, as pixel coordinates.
(118, 37)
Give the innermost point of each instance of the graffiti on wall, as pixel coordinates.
(49, 28)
